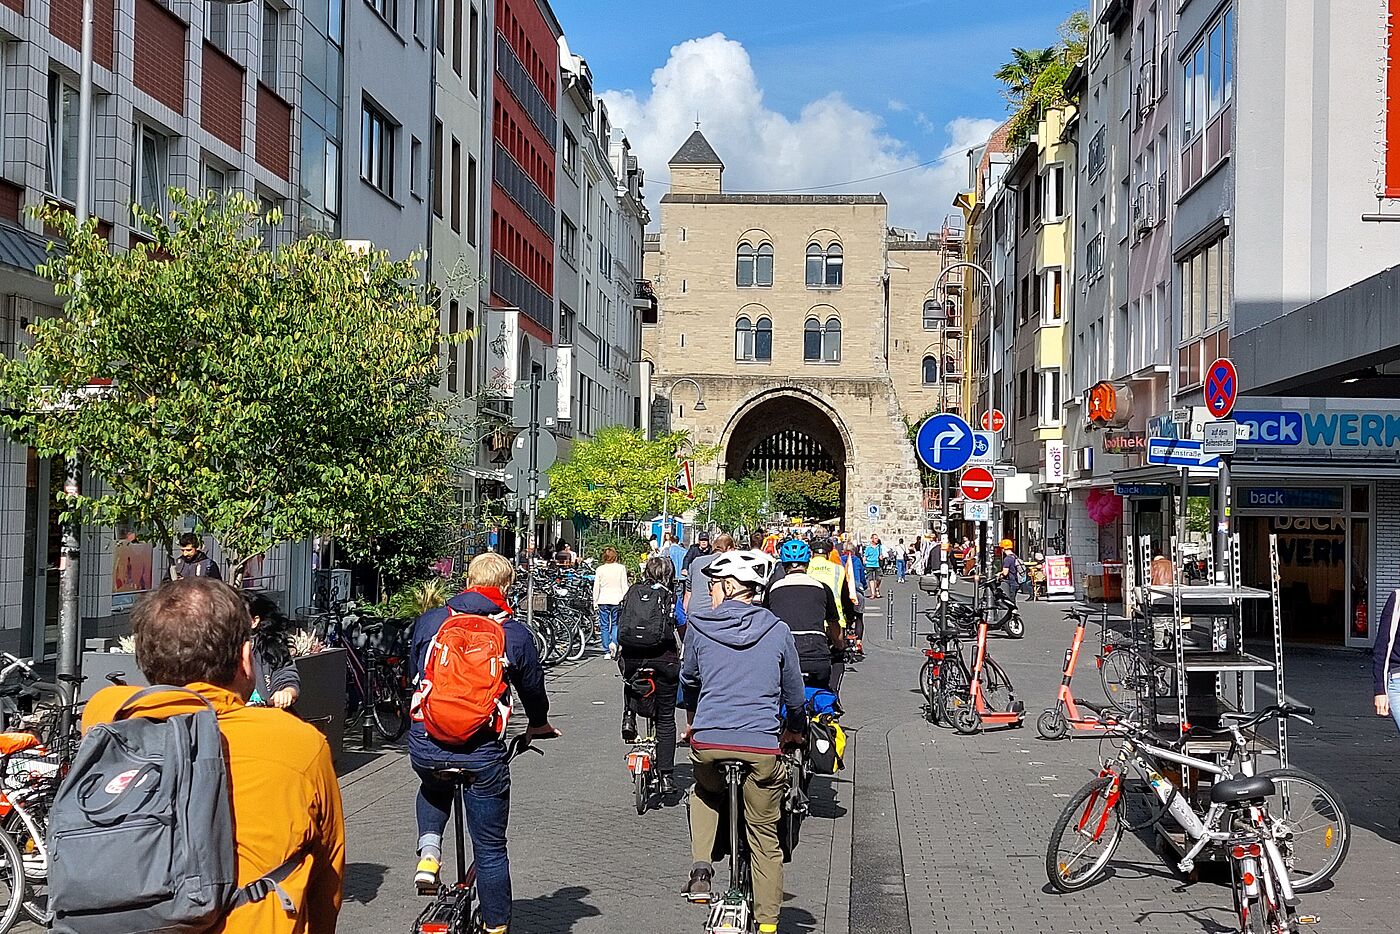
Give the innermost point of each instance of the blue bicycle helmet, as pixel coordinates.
(795, 552)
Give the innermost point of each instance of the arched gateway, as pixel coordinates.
(785, 429)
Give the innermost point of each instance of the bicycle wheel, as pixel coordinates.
(1085, 836)
(389, 713)
(954, 694)
(34, 854)
(641, 783)
(12, 882)
(1119, 674)
(1315, 827)
(578, 639)
(926, 681)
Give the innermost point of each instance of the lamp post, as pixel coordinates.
(699, 407)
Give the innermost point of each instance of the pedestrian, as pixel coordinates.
(1163, 572)
(650, 663)
(564, 555)
(276, 681)
(609, 587)
(1011, 569)
(701, 547)
(901, 556)
(697, 589)
(282, 788)
(871, 556)
(1385, 660)
(673, 550)
(479, 759)
(193, 562)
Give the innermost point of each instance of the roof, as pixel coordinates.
(21, 249)
(696, 150)
(772, 199)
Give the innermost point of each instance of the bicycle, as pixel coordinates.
(376, 674)
(453, 909)
(641, 758)
(1094, 816)
(732, 912)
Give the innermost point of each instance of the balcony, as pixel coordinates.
(523, 191)
(523, 89)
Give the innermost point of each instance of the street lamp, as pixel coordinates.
(699, 392)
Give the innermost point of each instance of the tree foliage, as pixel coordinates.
(740, 504)
(1034, 79)
(271, 394)
(804, 492)
(618, 474)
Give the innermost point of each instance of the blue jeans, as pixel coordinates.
(899, 569)
(1392, 690)
(486, 806)
(607, 622)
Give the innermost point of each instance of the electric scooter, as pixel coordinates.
(987, 675)
(1059, 721)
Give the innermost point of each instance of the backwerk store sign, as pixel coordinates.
(1347, 428)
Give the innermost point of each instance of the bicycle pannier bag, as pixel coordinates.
(464, 680)
(647, 618)
(141, 830)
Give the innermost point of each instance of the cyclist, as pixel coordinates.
(654, 647)
(483, 758)
(809, 608)
(741, 666)
(833, 574)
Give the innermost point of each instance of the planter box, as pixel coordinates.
(322, 701)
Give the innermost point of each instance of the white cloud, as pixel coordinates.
(712, 78)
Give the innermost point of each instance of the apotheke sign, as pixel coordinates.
(1126, 442)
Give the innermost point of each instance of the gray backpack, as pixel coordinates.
(141, 830)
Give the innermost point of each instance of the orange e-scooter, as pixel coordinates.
(991, 700)
(1059, 721)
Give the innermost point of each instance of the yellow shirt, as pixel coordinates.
(285, 797)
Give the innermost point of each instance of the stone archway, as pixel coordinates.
(787, 429)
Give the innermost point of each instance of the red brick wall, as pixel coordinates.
(159, 66)
(221, 97)
(66, 22)
(16, 5)
(274, 128)
(10, 197)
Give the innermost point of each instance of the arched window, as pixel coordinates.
(743, 339)
(763, 273)
(834, 267)
(743, 266)
(763, 339)
(831, 341)
(812, 341)
(816, 266)
(930, 370)
(825, 267)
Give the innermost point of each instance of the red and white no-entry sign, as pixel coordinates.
(995, 420)
(978, 483)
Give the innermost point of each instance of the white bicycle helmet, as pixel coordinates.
(750, 568)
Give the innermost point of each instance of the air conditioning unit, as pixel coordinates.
(1145, 208)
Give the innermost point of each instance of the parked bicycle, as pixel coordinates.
(1297, 814)
(376, 672)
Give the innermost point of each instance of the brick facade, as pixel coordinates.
(66, 23)
(221, 97)
(274, 132)
(159, 59)
(11, 199)
(16, 5)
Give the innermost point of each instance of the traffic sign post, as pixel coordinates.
(1222, 388)
(978, 484)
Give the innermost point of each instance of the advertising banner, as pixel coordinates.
(1059, 578)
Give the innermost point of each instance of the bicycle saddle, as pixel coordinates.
(449, 775)
(1237, 790)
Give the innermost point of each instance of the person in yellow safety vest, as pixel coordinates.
(833, 575)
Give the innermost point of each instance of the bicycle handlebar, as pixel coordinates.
(1279, 711)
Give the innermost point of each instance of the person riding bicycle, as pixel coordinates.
(482, 759)
(740, 669)
(809, 608)
(647, 636)
(833, 575)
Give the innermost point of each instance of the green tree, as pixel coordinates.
(740, 504)
(618, 474)
(1034, 79)
(270, 394)
(804, 492)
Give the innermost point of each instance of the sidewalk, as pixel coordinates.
(582, 861)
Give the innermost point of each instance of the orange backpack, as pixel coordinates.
(464, 680)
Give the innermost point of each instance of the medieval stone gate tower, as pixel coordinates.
(777, 307)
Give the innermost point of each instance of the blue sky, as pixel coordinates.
(810, 94)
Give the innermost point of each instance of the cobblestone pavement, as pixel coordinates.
(926, 832)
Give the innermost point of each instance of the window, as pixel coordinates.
(1053, 193)
(570, 154)
(812, 341)
(216, 26)
(1093, 259)
(1021, 382)
(415, 167)
(743, 339)
(763, 266)
(1050, 397)
(271, 34)
(1052, 302)
(1209, 77)
(453, 322)
(568, 238)
(456, 185)
(743, 266)
(1098, 155)
(471, 200)
(149, 188)
(930, 370)
(457, 37)
(332, 179)
(377, 150)
(1206, 290)
(474, 46)
(437, 168)
(335, 20)
(215, 180)
(566, 324)
(831, 341)
(389, 9)
(825, 267)
(62, 177)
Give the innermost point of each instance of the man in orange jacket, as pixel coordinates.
(196, 632)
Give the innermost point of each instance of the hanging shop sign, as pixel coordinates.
(1354, 428)
(1125, 442)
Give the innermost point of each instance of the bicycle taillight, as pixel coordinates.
(934, 654)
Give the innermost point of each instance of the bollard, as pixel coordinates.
(367, 733)
(913, 619)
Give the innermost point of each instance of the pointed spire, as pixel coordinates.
(696, 151)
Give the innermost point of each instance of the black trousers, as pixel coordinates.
(668, 677)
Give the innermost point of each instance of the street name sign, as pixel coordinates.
(1177, 452)
(944, 443)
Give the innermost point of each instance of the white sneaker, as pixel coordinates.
(612, 650)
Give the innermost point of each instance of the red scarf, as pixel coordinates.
(493, 594)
